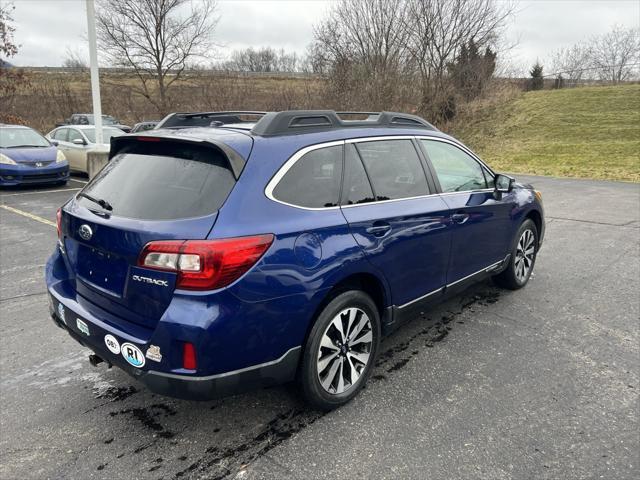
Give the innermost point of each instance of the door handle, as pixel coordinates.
(460, 218)
(379, 229)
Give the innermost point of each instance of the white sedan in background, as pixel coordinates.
(75, 141)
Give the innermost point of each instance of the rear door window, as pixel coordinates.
(456, 170)
(314, 180)
(356, 187)
(171, 183)
(75, 135)
(394, 169)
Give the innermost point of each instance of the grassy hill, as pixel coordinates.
(591, 132)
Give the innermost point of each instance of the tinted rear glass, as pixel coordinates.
(356, 187)
(163, 187)
(314, 180)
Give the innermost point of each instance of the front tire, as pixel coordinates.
(523, 258)
(340, 351)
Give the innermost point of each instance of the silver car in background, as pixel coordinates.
(75, 141)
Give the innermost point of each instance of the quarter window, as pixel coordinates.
(314, 180)
(356, 188)
(394, 169)
(457, 171)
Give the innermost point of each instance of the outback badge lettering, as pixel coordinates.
(154, 281)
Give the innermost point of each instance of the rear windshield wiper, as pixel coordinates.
(103, 203)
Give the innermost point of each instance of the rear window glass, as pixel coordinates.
(394, 169)
(163, 187)
(314, 180)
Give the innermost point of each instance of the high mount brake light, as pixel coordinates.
(205, 264)
(148, 139)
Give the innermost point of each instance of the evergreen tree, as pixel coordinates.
(536, 82)
(471, 69)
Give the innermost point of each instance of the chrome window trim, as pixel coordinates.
(268, 191)
(300, 153)
(378, 139)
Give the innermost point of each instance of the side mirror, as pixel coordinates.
(79, 141)
(54, 143)
(504, 183)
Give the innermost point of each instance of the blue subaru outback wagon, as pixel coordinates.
(204, 261)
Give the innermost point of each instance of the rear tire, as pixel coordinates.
(340, 351)
(523, 258)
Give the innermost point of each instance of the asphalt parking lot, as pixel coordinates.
(539, 383)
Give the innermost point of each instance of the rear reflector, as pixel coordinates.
(189, 357)
(205, 264)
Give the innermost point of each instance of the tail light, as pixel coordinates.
(189, 357)
(59, 223)
(205, 264)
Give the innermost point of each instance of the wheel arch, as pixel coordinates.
(535, 216)
(367, 282)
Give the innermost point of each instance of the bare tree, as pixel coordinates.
(615, 55)
(439, 30)
(387, 50)
(156, 39)
(264, 59)
(362, 46)
(74, 59)
(571, 63)
(11, 79)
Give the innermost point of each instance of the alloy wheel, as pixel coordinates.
(345, 350)
(525, 254)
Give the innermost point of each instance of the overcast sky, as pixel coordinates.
(45, 28)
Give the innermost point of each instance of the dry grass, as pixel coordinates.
(590, 132)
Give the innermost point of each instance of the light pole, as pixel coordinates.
(95, 76)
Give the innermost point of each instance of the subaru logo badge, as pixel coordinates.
(85, 232)
(39, 164)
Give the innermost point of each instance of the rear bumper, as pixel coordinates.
(186, 387)
(240, 346)
(12, 175)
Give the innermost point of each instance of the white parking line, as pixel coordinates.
(41, 191)
(79, 181)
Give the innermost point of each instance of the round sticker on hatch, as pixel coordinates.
(132, 354)
(112, 344)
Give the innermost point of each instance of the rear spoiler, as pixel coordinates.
(236, 161)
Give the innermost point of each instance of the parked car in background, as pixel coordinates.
(77, 140)
(210, 119)
(210, 260)
(88, 119)
(26, 157)
(144, 126)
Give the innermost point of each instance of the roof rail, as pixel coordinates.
(304, 121)
(213, 114)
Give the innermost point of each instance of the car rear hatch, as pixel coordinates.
(154, 188)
